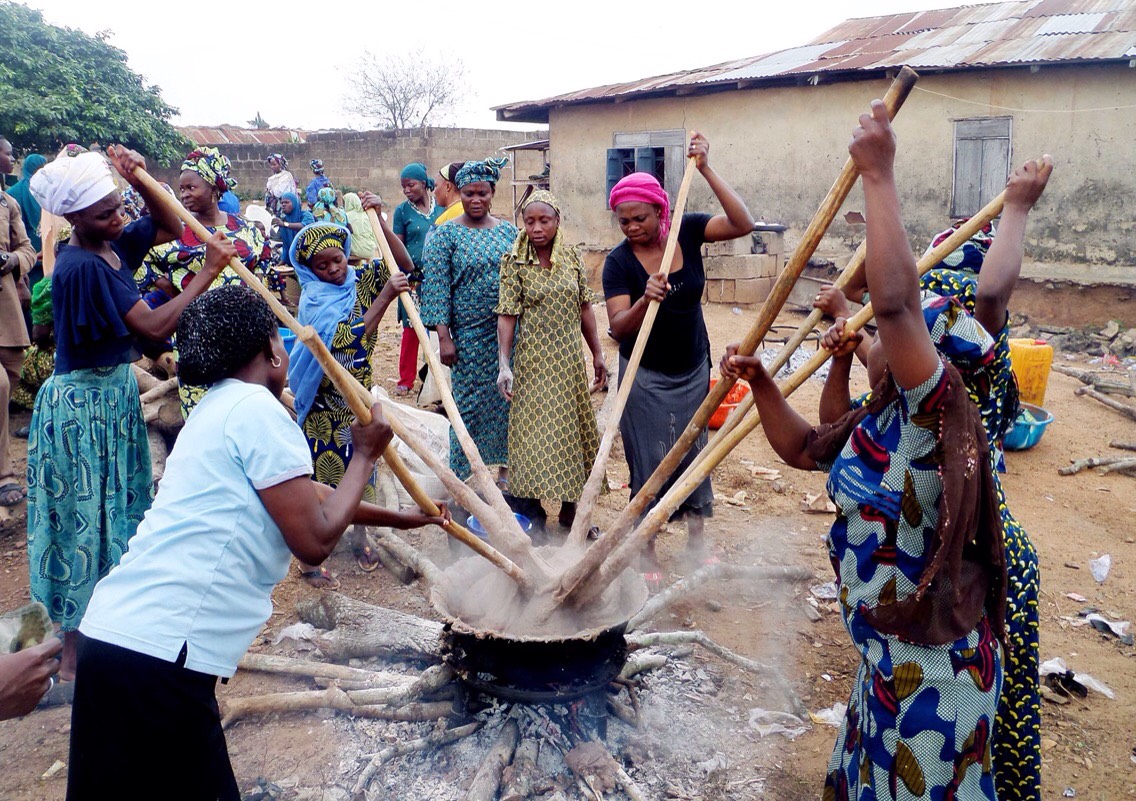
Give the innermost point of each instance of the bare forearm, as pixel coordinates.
(626, 324)
(376, 310)
(506, 333)
(397, 246)
(786, 430)
(737, 213)
(162, 212)
(890, 264)
(1001, 269)
(590, 330)
(159, 323)
(369, 514)
(835, 398)
(337, 511)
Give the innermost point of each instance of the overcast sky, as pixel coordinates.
(222, 62)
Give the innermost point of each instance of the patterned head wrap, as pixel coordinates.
(41, 302)
(69, 185)
(320, 236)
(642, 187)
(220, 332)
(416, 172)
(971, 253)
(474, 171)
(523, 251)
(326, 209)
(71, 151)
(214, 168)
(317, 166)
(278, 157)
(323, 306)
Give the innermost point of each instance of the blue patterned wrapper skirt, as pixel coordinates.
(89, 484)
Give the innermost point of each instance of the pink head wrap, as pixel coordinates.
(642, 187)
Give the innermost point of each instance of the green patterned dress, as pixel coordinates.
(553, 437)
(328, 424)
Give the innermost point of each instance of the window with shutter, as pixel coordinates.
(982, 163)
(659, 153)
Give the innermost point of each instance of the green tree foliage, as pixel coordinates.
(59, 85)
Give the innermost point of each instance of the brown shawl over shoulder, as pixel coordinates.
(965, 572)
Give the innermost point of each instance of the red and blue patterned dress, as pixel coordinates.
(920, 718)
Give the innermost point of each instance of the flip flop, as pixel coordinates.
(654, 580)
(366, 558)
(12, 487)
(320, 578)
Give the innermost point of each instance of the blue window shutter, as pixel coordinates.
(645, 160)
(619, 160)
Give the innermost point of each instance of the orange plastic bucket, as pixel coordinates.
(735, 396)
(1031, 360)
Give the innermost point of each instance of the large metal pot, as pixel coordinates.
(534, 668)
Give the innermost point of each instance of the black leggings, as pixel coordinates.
(143, 728)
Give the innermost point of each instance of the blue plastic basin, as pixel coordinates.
(289, 338)
(1026, 433)
(474, 525)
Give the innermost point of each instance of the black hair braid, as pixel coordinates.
(220, 332)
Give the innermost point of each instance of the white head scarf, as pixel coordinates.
(73, 184)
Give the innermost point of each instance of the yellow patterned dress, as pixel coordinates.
(553, 437)
(328, 424)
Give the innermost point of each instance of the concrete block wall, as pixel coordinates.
(743, 270)
(365, 159)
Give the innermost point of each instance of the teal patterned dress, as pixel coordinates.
(89, 478)
(1017, 737)
(460, 291)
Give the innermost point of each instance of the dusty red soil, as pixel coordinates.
(1088, 744)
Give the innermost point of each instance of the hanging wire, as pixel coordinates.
(1023, 110)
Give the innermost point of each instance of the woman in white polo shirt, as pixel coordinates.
(236, 503)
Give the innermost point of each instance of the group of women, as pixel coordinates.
(936, 578)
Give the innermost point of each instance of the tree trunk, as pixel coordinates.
(361, 630)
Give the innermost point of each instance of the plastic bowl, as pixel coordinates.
(474, 525)
(1026, 433)
(289, 338)
(735, 396)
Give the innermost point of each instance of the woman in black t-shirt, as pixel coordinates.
(674, 375)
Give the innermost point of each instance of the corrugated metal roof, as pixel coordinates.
(966, 37)
(234, 135)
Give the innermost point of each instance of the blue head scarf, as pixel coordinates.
(29, 206)
(323, 306)
(474, 171)
(287, 235)
(229, 202)
(416, 172)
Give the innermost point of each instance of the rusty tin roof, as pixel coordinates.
(949, 39)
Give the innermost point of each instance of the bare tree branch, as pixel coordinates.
(406, 91)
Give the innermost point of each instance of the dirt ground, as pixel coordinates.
(1088, 745)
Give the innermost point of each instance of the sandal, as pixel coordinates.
(366, 558)
(401, 391)
(6, 492)
(320, 578)
(654, 580)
